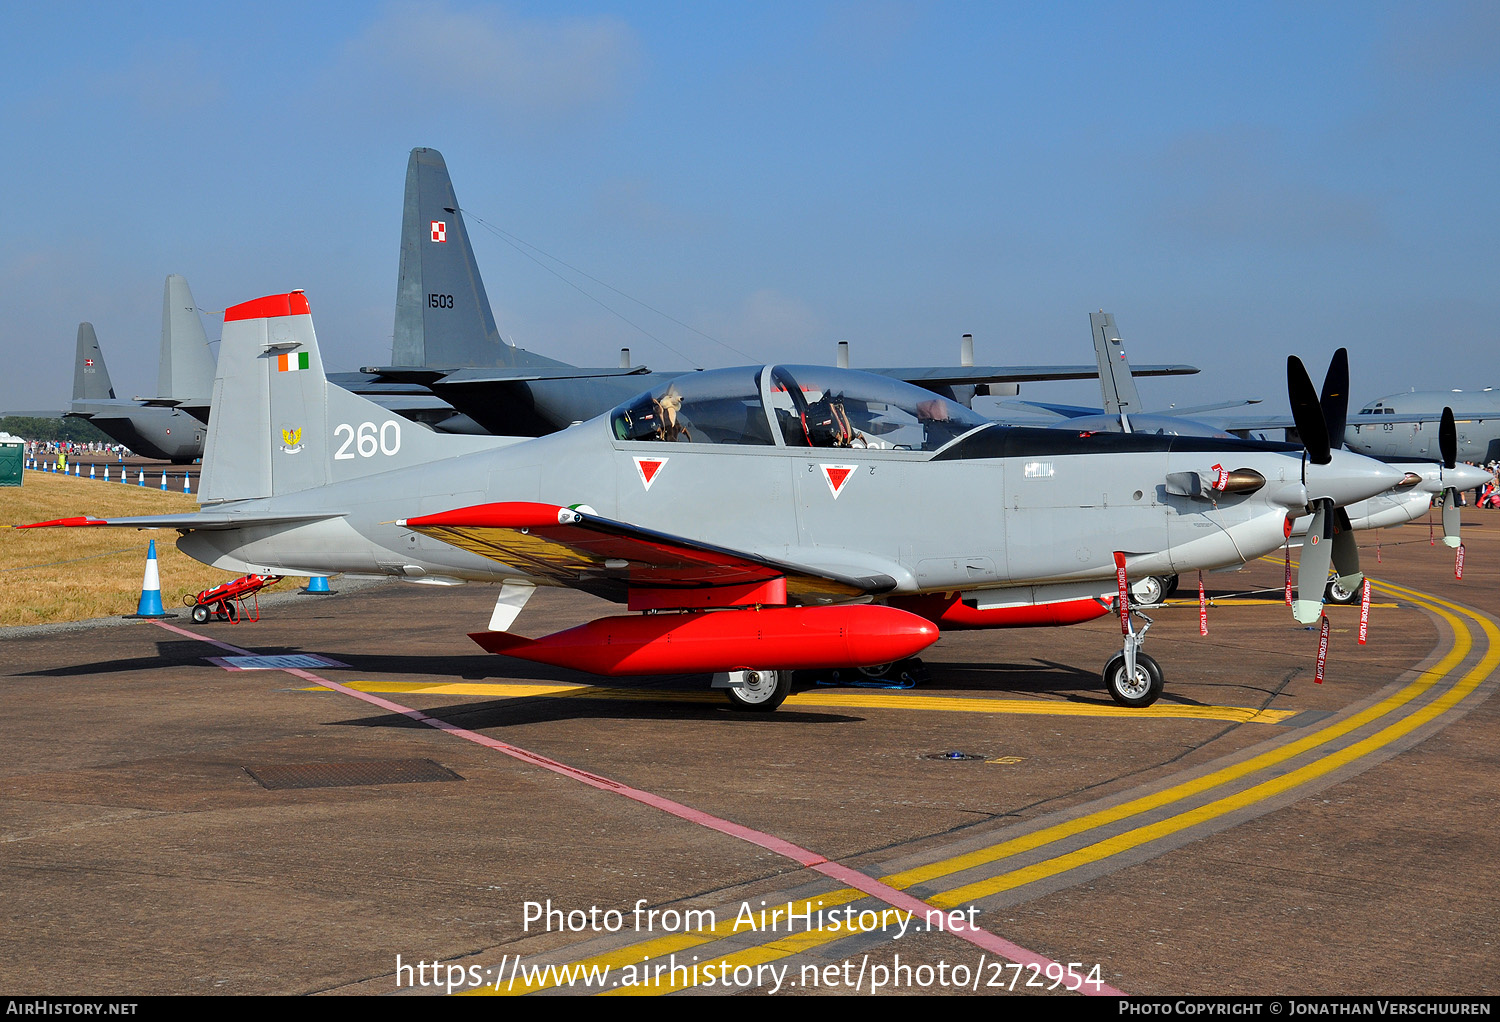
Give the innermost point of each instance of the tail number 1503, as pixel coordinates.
(368, 440)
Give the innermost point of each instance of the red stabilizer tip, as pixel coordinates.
(69, 522)
(269, 307)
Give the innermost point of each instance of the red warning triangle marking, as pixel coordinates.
(649, 468)
(837, 476)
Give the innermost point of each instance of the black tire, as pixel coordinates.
(769, 692)
(1143, 691)
(200, 615)
(1335, 593)
(1171, 581)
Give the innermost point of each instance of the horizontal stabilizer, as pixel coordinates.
(190, 520)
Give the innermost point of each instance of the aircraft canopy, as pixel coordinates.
(794, 406)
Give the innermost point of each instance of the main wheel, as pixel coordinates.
(1142, 690)
(1336, 593)
(1148, 591)
(1171, 581)
(762, 691)
(200, 615)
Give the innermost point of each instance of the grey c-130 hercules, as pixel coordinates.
(754, 520)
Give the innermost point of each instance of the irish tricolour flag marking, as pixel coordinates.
(291, 361)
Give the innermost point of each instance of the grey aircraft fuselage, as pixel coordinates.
(1476, 414)
(982, 506)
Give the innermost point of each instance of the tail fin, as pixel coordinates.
(1115, 379)
(186, 371)
(443, 316)
(278, 426)
(90, 378)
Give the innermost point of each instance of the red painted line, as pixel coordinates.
(847, 875)
(203, 638)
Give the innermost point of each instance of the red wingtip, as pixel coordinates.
(269, 307)
(70, 522)
(499, 642)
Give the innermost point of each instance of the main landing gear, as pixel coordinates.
(1132, 677)
(758, 691)
(1336, 593)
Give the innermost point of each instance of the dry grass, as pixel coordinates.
(49, 575)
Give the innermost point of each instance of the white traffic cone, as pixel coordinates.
(150, 605)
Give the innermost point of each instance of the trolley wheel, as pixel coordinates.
(200, 614)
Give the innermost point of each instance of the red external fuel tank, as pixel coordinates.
(774, 638)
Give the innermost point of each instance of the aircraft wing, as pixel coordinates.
(191, 520)
(495, 374)
(583, 551)
(938, 376)
(1250, 420)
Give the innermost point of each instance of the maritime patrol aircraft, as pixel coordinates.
(754, 520)
(170, 426)
(1406, 425)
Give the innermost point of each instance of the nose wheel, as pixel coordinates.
(1132, 677)
(1141, 688)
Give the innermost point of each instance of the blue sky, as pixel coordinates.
(1235, 182)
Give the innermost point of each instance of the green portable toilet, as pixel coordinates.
(12, 459)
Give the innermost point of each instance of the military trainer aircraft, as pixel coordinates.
(758, 520)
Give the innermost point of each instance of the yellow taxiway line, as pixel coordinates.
(1463, 642)
(844, 699)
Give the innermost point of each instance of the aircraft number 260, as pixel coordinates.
(440, 301)
(367, 440)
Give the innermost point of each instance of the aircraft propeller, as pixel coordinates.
(1448, 445)
(1320, 420)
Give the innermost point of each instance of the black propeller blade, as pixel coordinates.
(1448, 446)
(1448, 439)
(1335, 398)
(1307, 412)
